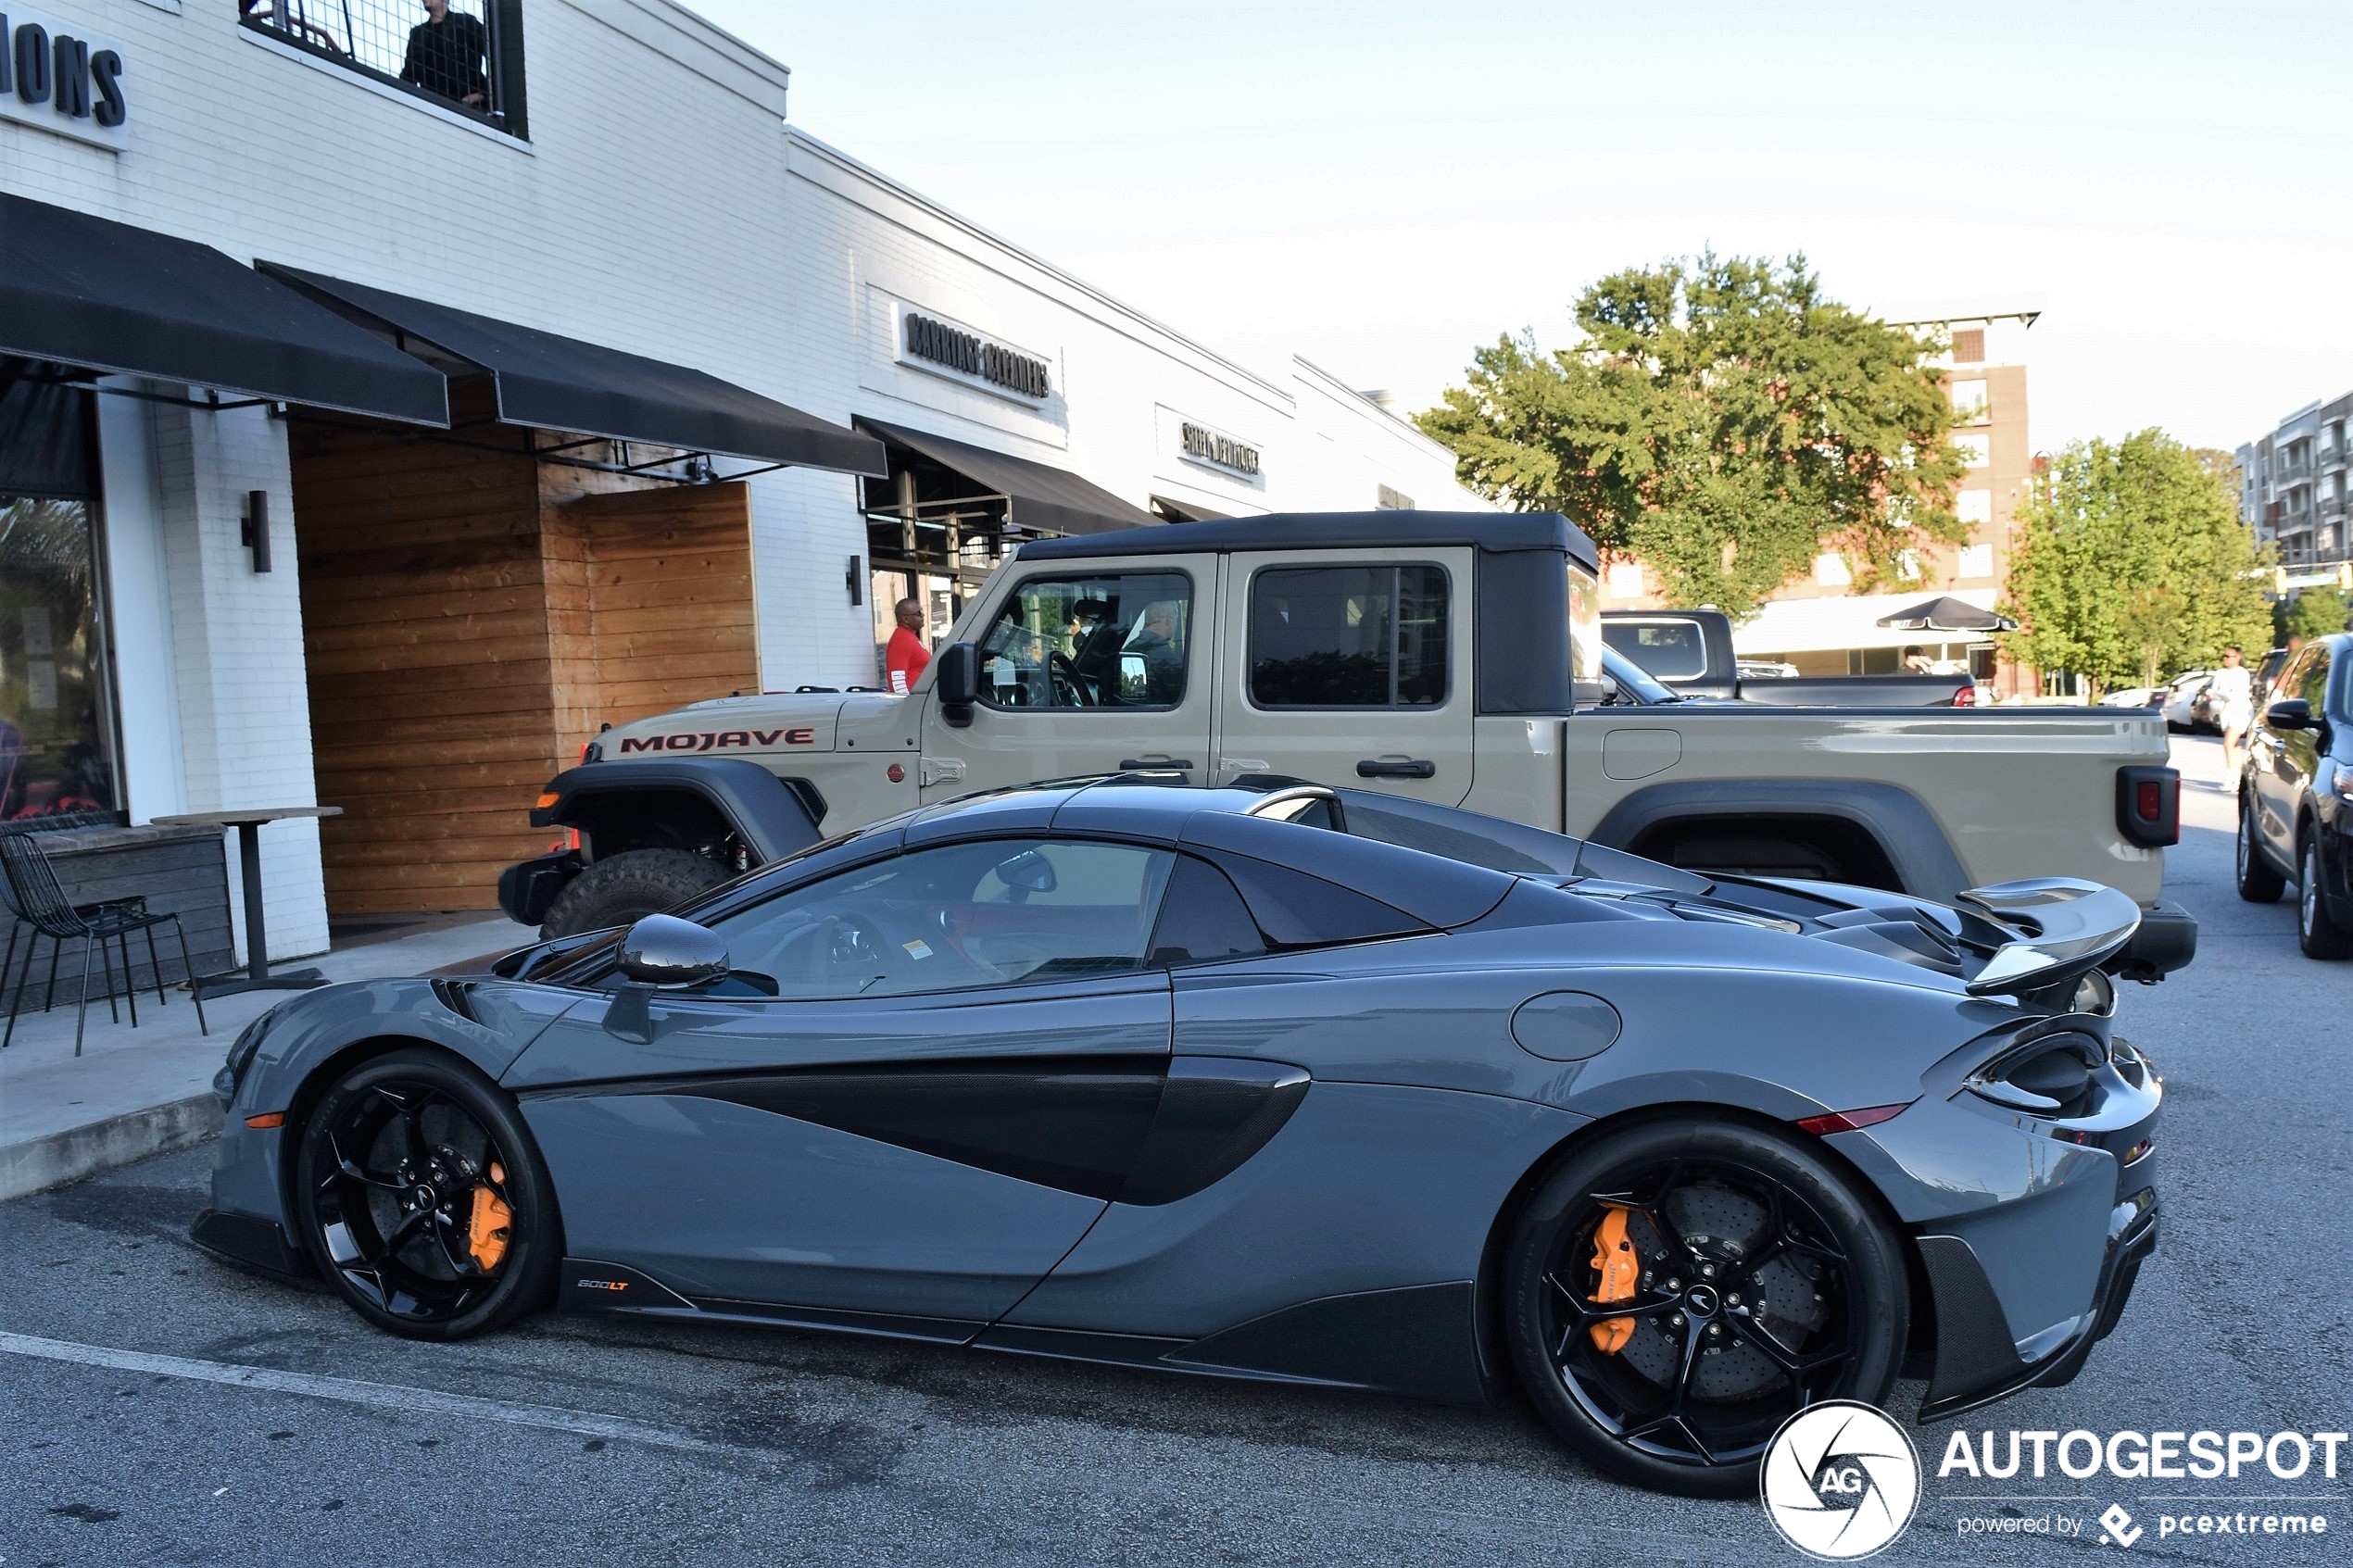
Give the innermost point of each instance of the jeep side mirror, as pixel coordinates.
(957, 683)
(2289, 713)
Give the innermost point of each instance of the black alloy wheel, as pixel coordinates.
(2316, 930)
(424, 1200)
(1675, 1290)
(2258, 884)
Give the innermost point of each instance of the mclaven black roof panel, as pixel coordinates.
(1037, 495)
(558, 382)
(1492, 531)
(91, 292)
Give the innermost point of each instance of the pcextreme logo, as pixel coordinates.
(1840, 1481)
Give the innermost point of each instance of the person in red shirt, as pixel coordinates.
(904, 659)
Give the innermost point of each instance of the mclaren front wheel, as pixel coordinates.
(1674, 1291)
(424, 1200)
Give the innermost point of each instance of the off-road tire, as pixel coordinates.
(1549, 1239)
(2316, 930)
(2258, 883)
(626, 888)
(422, 1115)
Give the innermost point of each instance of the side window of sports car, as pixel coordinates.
(990, 912)
(1204, 920)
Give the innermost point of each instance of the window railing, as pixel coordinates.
(465, 56)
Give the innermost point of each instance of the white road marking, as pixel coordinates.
(353, 1391)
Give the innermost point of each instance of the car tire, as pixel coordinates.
(2258, 883)
(393, 1162)
(626, 888)
(2316, 930)
(1715, 1208)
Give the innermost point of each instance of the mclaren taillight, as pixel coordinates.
(1849, 1120)
(2148, 806)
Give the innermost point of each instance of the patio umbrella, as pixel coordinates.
(1947, 614)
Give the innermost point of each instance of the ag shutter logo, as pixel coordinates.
(1840, 1481)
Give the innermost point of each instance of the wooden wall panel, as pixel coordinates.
(471, 615)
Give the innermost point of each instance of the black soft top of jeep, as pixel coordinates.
(1497, 533)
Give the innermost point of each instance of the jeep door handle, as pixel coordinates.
(1182, 764)
(1373, 769)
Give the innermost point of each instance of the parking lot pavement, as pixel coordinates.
(136, 1431)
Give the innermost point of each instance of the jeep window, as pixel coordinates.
(951, 918)
(1348, 636)
(1669, 649)
(1121, 640)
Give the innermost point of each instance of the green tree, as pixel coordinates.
(2315, 612)
(2131, 562)
(1723, 421)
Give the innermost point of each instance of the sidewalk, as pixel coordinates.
(139, 1092)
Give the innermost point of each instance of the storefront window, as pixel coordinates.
(55, 756)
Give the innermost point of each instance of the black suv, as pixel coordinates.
(2296, 802)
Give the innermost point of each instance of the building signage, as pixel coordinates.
(1204, 445)
(56, 76)
(943, 345)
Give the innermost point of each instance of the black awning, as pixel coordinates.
(96, 294)
(1049, 500)
(1947, 614)
(563, 383)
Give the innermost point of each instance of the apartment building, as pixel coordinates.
(2293, 486)
(1820, 624)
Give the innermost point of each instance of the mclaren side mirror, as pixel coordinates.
(957, 683)
(661, 953)
(669, 954)
(2289, 713)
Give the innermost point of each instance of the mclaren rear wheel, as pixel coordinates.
(1674, 1291)
(424, 1200)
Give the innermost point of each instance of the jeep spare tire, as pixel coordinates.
(627, 888)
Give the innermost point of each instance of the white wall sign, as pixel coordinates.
(59, 76)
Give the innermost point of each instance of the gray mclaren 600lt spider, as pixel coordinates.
(1268, 1081)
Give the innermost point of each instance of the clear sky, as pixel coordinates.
(1380, 186)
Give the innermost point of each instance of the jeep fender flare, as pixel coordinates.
(771, 816)
(1893, 817)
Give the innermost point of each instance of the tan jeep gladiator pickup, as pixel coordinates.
(1451, 657)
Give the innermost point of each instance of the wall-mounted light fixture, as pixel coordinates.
(254, 531)
(855, 579)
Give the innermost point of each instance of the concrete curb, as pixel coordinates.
(59, 1159)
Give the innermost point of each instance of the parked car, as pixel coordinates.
(2296, 802)
(2187, 706)
(1763, 670)
(2135, 696)
(1301, 1085)
(1690, 651)
(1450, 658)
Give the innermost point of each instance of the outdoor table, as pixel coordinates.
(247, 820)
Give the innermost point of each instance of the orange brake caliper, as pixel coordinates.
(486, 1231)
(1614, 1261)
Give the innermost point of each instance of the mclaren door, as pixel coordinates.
(920, 1085)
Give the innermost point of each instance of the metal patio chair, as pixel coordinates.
(39, 900)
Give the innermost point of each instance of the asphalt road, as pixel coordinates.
(277, 1428)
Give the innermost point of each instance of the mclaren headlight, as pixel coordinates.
(241, 1054)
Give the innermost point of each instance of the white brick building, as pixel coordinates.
(655, 200)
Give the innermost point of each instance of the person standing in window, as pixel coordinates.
(446, 54)
(904, 660)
